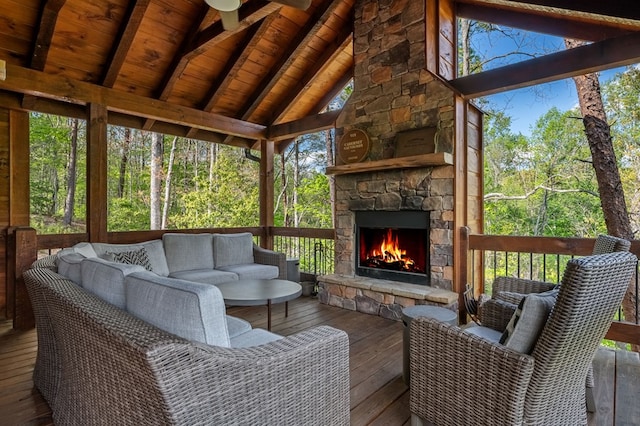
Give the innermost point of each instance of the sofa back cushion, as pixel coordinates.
(69, 265)
(191, 310)
(154, 249)
(188, 251)
(232, 249)
(106, 279)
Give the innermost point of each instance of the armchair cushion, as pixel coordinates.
(232, 249)
(527, 321)
(188, 252)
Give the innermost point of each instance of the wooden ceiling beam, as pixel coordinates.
(46, 26)
(618, 9)
(128, 29)
(328, 55)
(561, 26)
(65, 109)
(303, 126)
(606, 54)
(315, 22)
(27, 81)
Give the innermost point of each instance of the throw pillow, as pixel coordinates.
(528, 320)
(134, 257)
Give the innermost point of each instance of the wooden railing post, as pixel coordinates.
(22, 246)
(463, 272)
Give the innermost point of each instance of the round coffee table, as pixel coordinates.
(260, 292)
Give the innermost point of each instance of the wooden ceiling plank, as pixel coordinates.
(122, 44)
(557, 26)
(328, 55)
(606, 54)
(249, 13)
(37, 83)
(237, 59)
(46, 26)
(321, 15)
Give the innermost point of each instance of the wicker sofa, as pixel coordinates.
(99, 364)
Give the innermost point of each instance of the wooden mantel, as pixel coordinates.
(424, 160)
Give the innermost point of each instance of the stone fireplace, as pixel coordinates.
(395, 94)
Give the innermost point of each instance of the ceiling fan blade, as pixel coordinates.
(298, 4)
(229, 19)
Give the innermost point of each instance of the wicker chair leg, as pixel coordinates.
(417, 421)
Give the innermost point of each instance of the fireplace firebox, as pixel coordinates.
(393, 245)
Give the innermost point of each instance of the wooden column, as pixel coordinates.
(23, 251)
(266, 192)
(18, 303)
(97, 172)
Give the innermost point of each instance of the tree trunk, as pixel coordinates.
(167, 184)
(296, 183)
(156, 179)
(465, 30)
(283, 191)
(69, 202)
(603, 156)
(124, 159)
(332, 181)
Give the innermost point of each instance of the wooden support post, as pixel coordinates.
(97, 172)
(266, 192)
(23, 251)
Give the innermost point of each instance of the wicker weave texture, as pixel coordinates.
(458, 378)
(116, 369)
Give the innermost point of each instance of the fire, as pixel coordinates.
(390, 252)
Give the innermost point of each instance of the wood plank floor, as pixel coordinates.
(378, 394)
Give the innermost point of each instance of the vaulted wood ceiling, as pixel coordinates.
(169, 66)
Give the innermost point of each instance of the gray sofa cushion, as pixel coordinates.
(190, 310)
(206, 276)
(232, 249)
(254, 337)
(69, 265)
(237, 326)
(187, 252)
(253, 271)
(106, 279)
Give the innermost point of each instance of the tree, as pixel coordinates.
(156, 179)
(605, 164)
(71, 174)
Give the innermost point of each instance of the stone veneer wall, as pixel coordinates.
(393, 92)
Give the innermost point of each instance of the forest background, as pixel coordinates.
(541, 183)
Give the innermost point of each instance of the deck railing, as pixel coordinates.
(537, 258)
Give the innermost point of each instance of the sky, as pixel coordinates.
(525, 106)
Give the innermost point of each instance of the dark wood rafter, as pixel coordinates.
(308, 124)
(129, 28)
(303, 36)
(619, 9)
(46, 27)
(328, 55)
(559, 26)
(611, 53)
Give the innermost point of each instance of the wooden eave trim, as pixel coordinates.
(37, 83)
(619, 9)
(309, 124)
(611, 53)
(561, 26)
(65, 109)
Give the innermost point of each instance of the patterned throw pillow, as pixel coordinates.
(134, 257)
(528, 320)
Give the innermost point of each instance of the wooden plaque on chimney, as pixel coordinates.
(354, 146)
(415, 142)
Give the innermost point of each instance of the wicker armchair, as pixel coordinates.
(459, 378)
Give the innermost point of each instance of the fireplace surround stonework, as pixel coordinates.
(395, 92)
